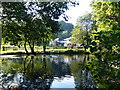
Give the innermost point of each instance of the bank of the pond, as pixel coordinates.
(68, 52)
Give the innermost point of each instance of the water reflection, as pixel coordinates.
(49, 71)
(64, 82)
(106, 70)
(82, 74)
(28, 73)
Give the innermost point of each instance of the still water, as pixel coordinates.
(45, 72)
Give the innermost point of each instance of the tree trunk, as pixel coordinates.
(0, 38)
(32, 50)
(44, 46)
(25, 47)
(31, 46)
(1, 28)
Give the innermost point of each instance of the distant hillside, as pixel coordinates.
(66, 30)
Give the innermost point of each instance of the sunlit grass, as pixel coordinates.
(38, 49)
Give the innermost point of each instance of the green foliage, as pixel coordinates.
(24, 24)
(82, 31)
(107, 19)
(105, 44)
(28, 70)
(78, 35)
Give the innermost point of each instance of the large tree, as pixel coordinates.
(106, 44)
(107, 33)
(31, 22)
(82, 31)
(14, 22)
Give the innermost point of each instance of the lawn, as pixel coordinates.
(39, 49)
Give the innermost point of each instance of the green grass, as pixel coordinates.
(38, 49)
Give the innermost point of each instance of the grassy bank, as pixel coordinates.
(39, 50)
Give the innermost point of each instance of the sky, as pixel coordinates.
(79, 10)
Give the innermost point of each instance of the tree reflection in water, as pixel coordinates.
(106, 70)
(82, 74)
(31, 73)
(40, 72)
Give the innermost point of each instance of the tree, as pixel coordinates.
(78, 35)
(106, 44)
(0, 26)
(82, 31)
(106, 36)
(48, 11)
(29, 24)
(14, 23)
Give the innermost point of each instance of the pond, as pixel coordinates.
(46, 72)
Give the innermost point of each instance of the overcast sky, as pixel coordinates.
(79, 10)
